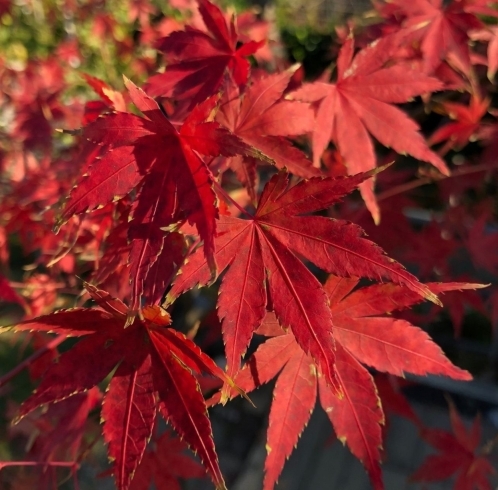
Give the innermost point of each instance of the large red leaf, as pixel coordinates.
(272, 241)
(197, 60)
(261, 118)
(356, 412)
(355, 415)
(173, 186)
(360, 103)
(153, 362)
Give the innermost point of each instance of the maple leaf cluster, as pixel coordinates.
(224, 166)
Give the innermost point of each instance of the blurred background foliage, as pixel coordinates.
(105, 38)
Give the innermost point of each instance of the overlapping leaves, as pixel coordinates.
(197, 60)
(209, 106)
(262, 253)
(155, 372)
(363, 336)
(148, 154)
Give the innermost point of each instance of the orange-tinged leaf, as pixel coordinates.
(112, 98)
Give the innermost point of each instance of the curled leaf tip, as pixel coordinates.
(130, 318)
(433, 298)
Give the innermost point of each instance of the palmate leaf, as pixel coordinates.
(458, 455)
(388, 344)
(197, 61)
(360, 102)
(155, 371)
(262, 118)
(262, 256)
(441, 30)
(148, 154)
(356, 414)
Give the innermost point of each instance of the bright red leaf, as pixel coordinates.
(262, 255)
(155, 369)
(172, 186)
(360, 102)
(442, 31)
(261, 118)
(197, 60)
(111, 97)
(156, 183)
(385, 343)
(361, 336)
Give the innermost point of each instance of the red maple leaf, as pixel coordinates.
(442, 31)
(155, 372)
(196, 61)
(362, 336)
(467, 125)
(261, 118)
(458, 455)
(360, 102)
(262, 255)
(173, 185)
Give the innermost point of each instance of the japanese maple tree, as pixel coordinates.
(214, 165)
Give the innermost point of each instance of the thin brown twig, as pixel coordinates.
(23, 285)
(62, 464)
(408, 186)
